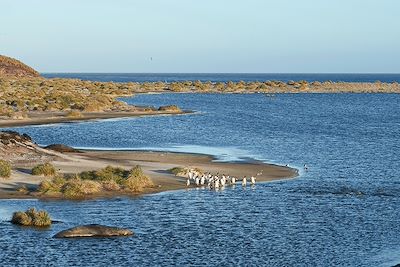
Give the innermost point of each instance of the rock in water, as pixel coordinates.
(93, 230)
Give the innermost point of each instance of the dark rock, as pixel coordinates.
(93, 230)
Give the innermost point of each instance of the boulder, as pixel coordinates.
(93, 230)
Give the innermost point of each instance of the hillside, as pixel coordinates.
(12, 67)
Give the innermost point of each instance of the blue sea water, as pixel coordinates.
(225, 77)
(343, 211)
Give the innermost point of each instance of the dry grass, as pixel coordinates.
(137, 181)
(46, 169)
(93, 182)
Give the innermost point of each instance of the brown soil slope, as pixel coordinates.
(12, 67)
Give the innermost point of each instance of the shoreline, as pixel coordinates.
(154, 164)
(57, 117)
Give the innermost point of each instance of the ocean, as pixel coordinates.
(344, 211)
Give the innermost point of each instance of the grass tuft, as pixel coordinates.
(46, 169)
(31, 217)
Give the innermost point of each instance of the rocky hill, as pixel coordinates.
(15, 68)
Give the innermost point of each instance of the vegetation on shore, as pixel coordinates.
(183, 171)
(31, 217)
(23, 96)
(5, 169)
(46, 169)
(93, 182)
(23, 92)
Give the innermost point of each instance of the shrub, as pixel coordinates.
(77, 188)
(91, 182)
(53, 185)
(136, 172)
(72, 189)
(90, 187)
(110, 173)
(111, 185)
(137, 181)
(5, 169)
(31, 217)
(46, 169)
(21, 218)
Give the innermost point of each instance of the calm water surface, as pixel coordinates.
(344, 211)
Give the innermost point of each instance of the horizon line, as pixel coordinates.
(302, 73)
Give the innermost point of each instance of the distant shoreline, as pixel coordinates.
(55, 117)
(45, 118)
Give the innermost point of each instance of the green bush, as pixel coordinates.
(5, 169)
(32, 217)
(46, 169)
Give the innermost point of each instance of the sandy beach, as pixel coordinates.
(154, 164)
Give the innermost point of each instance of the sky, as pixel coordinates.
(203, 36)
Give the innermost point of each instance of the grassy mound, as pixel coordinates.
(46, 169)
(5, 169)
(137, 181)
(31, 217)
(92, 182)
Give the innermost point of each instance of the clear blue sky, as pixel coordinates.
(203, 35)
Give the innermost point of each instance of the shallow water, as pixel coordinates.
(343, 211)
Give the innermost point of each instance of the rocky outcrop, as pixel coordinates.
(93, 230)
(12, 67)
